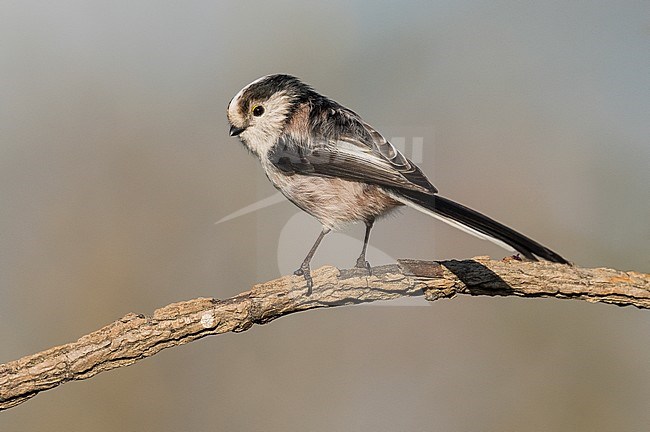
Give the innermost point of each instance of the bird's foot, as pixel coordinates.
(304, 271)
(363, 264)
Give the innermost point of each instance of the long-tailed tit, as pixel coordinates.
(330, 163)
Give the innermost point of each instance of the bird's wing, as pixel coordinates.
(353, 151)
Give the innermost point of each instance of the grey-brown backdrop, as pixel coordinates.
(115, 164)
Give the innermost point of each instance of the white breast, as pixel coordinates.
(334, 202)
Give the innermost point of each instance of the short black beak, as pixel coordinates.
(235, 131)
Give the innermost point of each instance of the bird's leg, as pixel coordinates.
(361, 261)
(304, 267)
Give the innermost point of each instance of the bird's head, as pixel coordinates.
(259, 112)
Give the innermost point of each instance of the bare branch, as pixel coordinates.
(135, 337)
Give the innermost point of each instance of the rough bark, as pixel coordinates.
(135, 336)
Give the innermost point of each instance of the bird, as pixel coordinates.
(330, 163)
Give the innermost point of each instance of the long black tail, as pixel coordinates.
(476, 223)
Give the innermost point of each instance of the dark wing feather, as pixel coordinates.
(352, 150)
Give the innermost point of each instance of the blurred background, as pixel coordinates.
(115, 164)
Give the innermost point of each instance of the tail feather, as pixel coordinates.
(477, 224)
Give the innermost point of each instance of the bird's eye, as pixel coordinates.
(258, 110)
